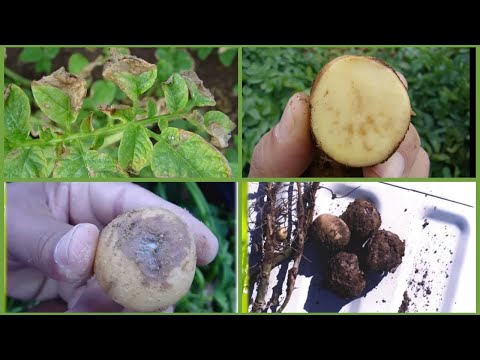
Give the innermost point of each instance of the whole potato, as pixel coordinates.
(146, 259)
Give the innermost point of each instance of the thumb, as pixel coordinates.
(61, 251)
(286, 150)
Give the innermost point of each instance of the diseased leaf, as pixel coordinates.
(176, 93)
(77, 63)
(88, 164)
(60, 96)
(219, 126)
(130, 73)
(27, 162)
(17, 113)
(180, 153)
(200, 95)
(135, 151)
(151, 108)
(196, 119)
(215, 123)
(119, 112)
(87, 125)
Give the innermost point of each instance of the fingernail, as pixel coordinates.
(285, 126)
(61, 254)
(392, 168)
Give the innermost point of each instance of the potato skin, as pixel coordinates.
(145, 259)
(331, 231)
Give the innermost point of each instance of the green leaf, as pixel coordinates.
(227, 56)
(102, 92)
(204, 52)
(183, 60)
(60, 96)
(89, 164)
(219, 126)
(135, 151)
(17, 113)
(28, 162)
(164, 69)
(87, 125)
(200, 95)
(180, 153)
(119, 112)
(51, 52)
(176, 93)
(77, 63)
(162, 124)
(44, 65)
(151, 108)
(131, 74)
(31, 54)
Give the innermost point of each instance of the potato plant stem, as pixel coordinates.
(16, 77)
(100, 132)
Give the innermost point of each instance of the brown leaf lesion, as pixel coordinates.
(124, 63)
(75, 87)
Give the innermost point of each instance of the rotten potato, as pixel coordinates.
(146, 259)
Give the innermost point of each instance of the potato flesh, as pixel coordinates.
(360, 111)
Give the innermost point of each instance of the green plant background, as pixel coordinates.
(439, 89)
(216, 66)
(213, 288)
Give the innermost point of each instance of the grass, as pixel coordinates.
(213, 288)
(439, 89)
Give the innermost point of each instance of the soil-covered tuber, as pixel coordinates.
(146, 259)
(385, 251)
(360, 110)
(362, 218)
(344, 275)
(331, 231)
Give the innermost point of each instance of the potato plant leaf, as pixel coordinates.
(219, 126)
(26, 162)
(216, 124)
(60, 96)
(88, 164)
(17, 113)
(176, 93)
(119, 112)
(179, 153)
(135, 151)
(131, 74)
(200, 95)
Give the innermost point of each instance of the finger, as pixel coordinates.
(286, 150)
(421, 166)
(100, 203)
(91, 298)
(59, 250)
(399, 164)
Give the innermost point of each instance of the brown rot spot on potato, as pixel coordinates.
(349, 129)
(153, 244)
(326, 93)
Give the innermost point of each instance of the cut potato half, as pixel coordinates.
(360, 110)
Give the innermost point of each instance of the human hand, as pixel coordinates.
(52, 233)
(287, 149)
